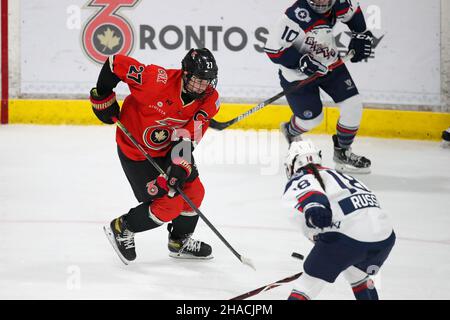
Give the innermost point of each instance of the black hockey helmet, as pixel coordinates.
(321, 6)
(200, 63)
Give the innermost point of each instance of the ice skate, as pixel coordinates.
(121, 239)
(348, 162)
(188, 248)
(284, 128)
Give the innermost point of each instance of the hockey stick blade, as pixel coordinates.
(219, 125)
(223, 125)
(248, 262)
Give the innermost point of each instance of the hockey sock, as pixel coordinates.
(351, 111)
(297, 295)
(141, 219)
(345, 135)
(299, 126)
(182, 226)
(295, 129)
(365, 290)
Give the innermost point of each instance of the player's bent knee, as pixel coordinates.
(166, 209)
(196, 192)
(354, 275)
(308, 124)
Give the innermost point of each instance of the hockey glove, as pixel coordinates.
(157, 188)
(362, 44)
(178, 173)
(105, 106)
(318, 216)
(310, 66)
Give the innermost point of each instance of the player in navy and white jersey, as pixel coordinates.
(303, 44)
(351, 234)
(446, 138)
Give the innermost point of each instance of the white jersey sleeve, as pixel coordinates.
(303, 192)
(283, 35)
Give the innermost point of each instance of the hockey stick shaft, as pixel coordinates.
(182, 194)
(267, 287)
(274, 284)
(297, 85)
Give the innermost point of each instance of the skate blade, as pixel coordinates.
(343, 168)
(110, 236)
(188, 256)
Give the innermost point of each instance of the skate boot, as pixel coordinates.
(284, 128)
(348, 162)
(188, 248)
(446, 139)
(121, 239)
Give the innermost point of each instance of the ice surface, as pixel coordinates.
(60, 184)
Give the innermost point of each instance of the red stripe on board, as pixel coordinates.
(5, 70)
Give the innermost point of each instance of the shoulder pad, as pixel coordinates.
(302, 14)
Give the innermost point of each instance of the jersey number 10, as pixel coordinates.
(289, 35)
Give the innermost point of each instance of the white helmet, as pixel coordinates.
(321, 6)
(300, 154)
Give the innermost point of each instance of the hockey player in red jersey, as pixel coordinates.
(302, 44)
(167, 111)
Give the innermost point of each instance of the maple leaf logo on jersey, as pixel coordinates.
(108, 39)
(160, 136)
(107, 33)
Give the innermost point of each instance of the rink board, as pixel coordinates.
(375, 122)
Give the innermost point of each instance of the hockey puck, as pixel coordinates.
(297, 255)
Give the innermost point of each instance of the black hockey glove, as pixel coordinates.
(362, 44)
(182, 168)
(310, 66)
(318, 217)
(105, 106)
(178, 173)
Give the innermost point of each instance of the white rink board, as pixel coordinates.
(406, 68)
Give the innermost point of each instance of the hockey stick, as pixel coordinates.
(298, 84)
(243, 259)
(273, 284)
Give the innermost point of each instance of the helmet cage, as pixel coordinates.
(199, 65)
(321, 8)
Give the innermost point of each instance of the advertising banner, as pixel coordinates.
(64, 44)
